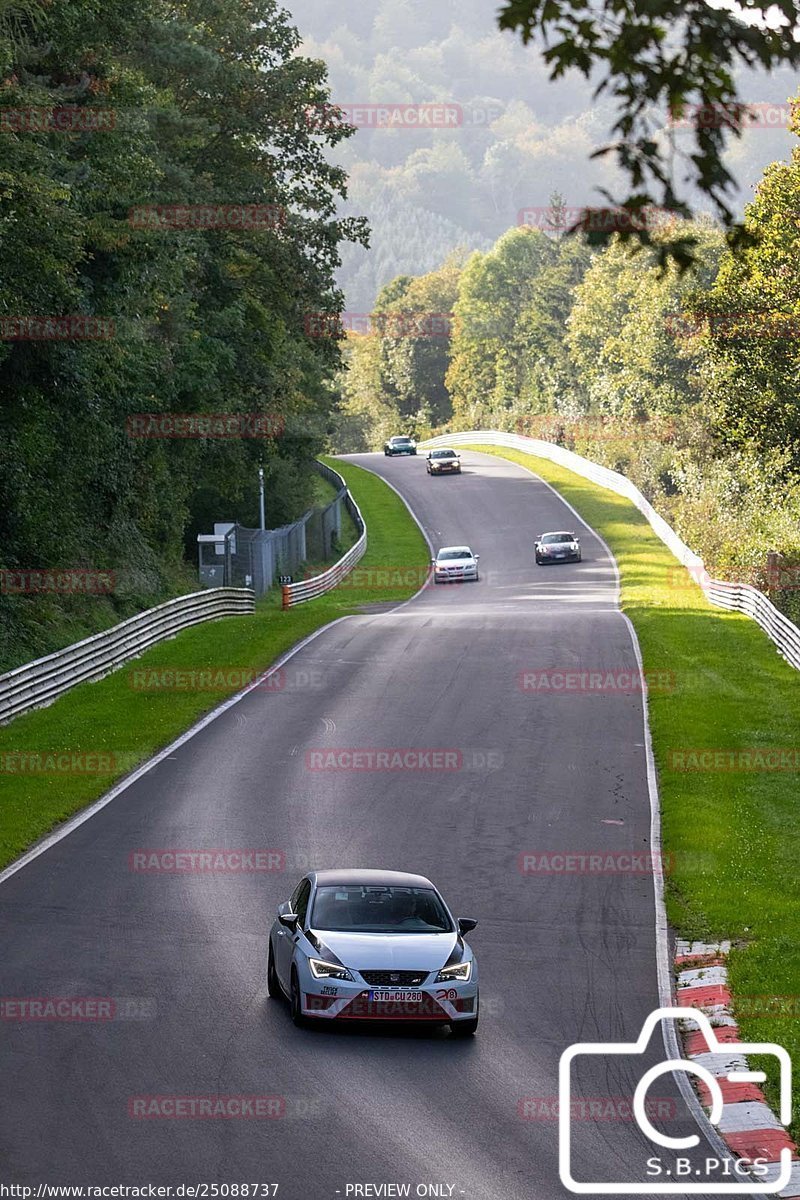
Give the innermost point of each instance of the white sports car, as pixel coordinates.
(373, 945)
(454, 564)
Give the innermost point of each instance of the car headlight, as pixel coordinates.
(326, 970)
(460, 971)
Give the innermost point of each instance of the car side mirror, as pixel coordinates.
(476, 557)
(289, 919)
(465, 924)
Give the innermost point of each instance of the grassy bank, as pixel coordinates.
(115, 719)
(733, 834)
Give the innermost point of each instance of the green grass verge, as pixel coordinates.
(734, 836)
(126, 725)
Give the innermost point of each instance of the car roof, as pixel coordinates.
(567, 533)
(400, 437)
(442, 549)
(369, 878)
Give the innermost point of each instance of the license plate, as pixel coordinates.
(397, 997)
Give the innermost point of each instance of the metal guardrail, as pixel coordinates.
(308, 589)
(738, 597)
(44, 680)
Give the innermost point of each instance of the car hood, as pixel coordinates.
(385, 952)
(443, 564)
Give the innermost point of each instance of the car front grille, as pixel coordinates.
(394, 978)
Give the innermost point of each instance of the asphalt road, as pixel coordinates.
(564, 956)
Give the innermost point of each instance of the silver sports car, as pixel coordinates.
(557, 547)
(373, 945)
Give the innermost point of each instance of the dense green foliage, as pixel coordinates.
(201, 102)
(684, 381)
(115, 717)
(427, 192)
(676, 54)
(728, 835)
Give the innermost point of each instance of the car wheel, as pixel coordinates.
(464, 1028)
(578, 559)
(477, 576)
(273, 987)
(294, 1000)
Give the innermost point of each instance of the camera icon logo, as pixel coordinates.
(676, 1185)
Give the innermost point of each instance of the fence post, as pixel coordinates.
(286, 601)
(773, 569)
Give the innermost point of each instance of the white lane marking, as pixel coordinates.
(663, 960)
(576, 514)
(428, 582)
(87, 813)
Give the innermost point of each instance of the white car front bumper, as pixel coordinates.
(340, 999)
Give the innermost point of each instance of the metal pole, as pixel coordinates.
(261, 495)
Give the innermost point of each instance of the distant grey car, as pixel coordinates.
(399, 445)
(557, 547)
(376, 946)
(455, 564)
(444, 462)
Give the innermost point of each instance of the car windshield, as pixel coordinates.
(550, 538)
(400, 441)
(444, 555)
(360, 909)
(443, 454)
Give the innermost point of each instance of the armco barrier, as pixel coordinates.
(39, 682)
(307, 589)
(740, 597)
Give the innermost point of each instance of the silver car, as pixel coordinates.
(375, 946)
(557, 547)
(454, 564)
